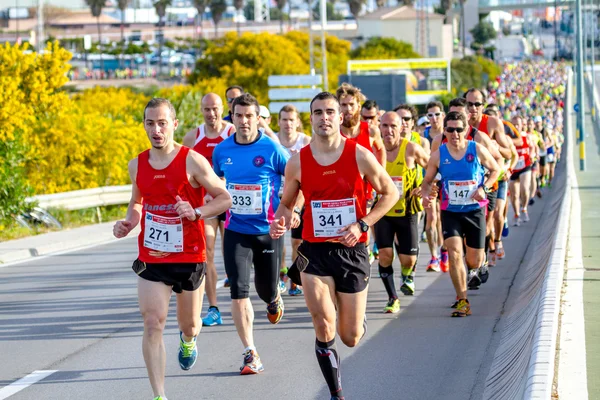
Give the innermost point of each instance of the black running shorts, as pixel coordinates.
(543, 161)
(470, 225)
(297, 232)
(405, 228)
(181, 276)
(515, 175)
(492, 197)
(241, 251)
(349, 266)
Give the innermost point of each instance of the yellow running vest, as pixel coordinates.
(405, 180)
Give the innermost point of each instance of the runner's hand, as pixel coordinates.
(277, 228)
(479, 194)
(207, 198)
(351, 235)
(416, 192)
(122, 229)
(427, 201)
(185, 209)
(506, 176)
(295, 220)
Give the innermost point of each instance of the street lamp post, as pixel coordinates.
(323, 44)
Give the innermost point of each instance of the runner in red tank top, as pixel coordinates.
(204, 139)
(333, 256)
(520, 180)
(165, 183)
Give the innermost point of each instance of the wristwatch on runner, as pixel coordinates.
(486, 189)
(198, 212)
(297, 210)
(363, 226)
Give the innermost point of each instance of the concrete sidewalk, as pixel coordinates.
(53, 242)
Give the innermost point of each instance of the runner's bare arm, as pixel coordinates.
(200, 170)
(432, 170)
(381, 181)
(291, 188)
(486, 142)
(500, 137)
(190, 138)
(134, 211)
(514, 158)
(377, 145)
(425, 145)
(421, 155)
(486, 159)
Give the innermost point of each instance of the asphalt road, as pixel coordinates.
(77, 314)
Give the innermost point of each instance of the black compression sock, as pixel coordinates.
(487, 243)
(213, 307)
(387, 276)
(329, 361)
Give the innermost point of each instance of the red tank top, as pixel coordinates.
(523, 154)
(332, 194)
(166, 238)
(483, 125)
(364, 139)
(205, 145)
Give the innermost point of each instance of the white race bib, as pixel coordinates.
(163, 233)
(521, 163)
(399, 182)
(550, 157)
(246, 199)
(461, 192)
(329, 216)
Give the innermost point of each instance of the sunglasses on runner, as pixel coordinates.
(452, 130)
(229, 100)
(369, 117)
(476, 104)
(431, 115)
(406, 119)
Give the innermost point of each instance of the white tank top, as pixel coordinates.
(298, 145)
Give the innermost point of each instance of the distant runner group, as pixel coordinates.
(355, 190)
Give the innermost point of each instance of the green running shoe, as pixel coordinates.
(392, 307)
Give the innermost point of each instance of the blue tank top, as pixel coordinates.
(426, 135)
(253, 174)
(460, 179)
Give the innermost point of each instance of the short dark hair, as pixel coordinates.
(159, 101)
(474, 89)
(491, 112)
(369, 105)
(241, 89)
(325, 96)
(455, 116)
(437, 104)
(288, 108)
(458, 102)
(492, 106)
(245, 99)
(413, 111)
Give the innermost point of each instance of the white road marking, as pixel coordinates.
(24, 382)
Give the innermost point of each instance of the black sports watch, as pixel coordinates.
(363, 226)
(486, 189)
(297, 210)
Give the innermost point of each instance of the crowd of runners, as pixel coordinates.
(357, 190)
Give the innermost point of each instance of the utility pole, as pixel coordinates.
(311, 45)
(580, 97)
(40, 26)
(323, 44)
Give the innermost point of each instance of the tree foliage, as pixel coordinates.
(379, 48)
(483, 32)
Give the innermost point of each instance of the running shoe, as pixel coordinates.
(188, 352)
(525, 215)
(484, 273)
(392, 307)
(408, 285)
(444, 266)
(213, 317)
(463, 308)
(434, 265)
(531, 201)
(226, 282)
(371, 257)
(539, 193)
(160, 398)
(275, 311)
(500, 253)
(251, 364)
(473, 280)
(295, 290)
(282, 288)
(517, 220)
(505, 228)
(455, 304)
(492, 258)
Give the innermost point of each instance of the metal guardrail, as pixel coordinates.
(87, 198)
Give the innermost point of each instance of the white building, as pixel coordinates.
(401, 23)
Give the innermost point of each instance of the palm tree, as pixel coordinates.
(356, 7)
(447, 6)
(122, 5)
(96, 9)
(201, 7)
(161, 11)
(217, 9)
(238, 4)
(280, 5)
